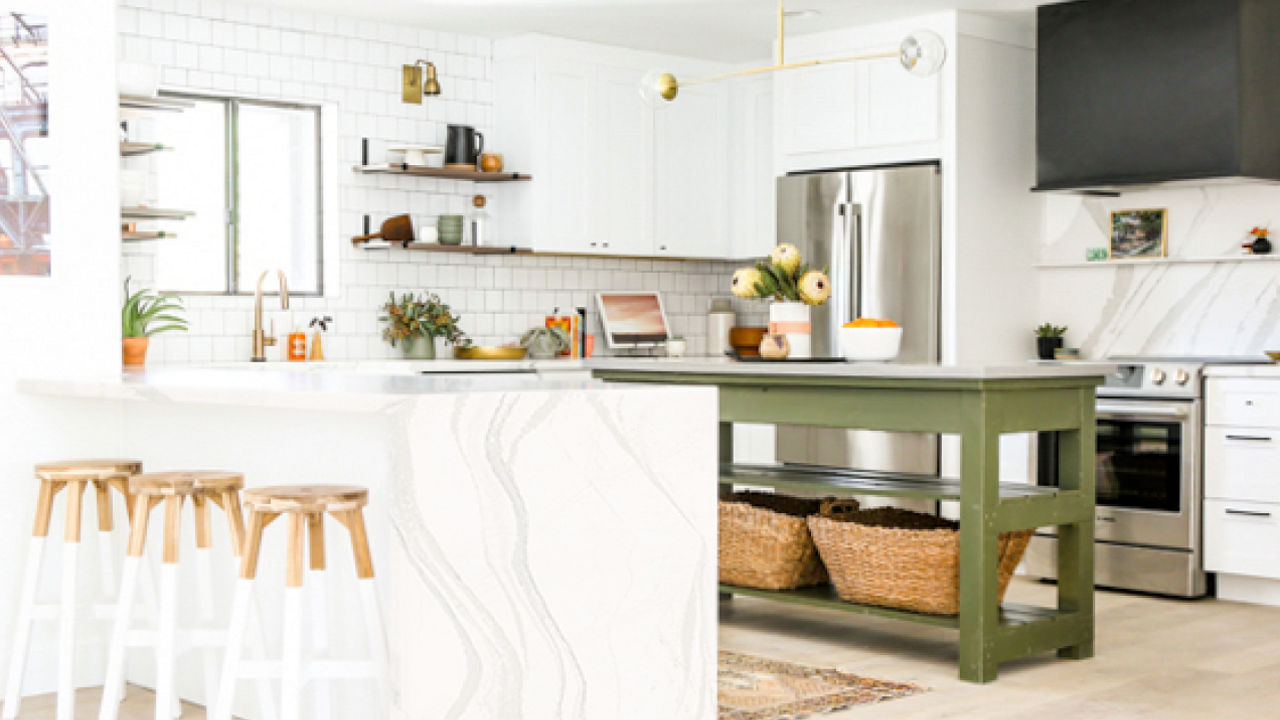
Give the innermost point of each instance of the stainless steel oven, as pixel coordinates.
(1148, 473)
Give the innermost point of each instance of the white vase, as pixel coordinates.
(792, 319)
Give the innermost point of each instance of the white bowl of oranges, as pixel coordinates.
(870, 340)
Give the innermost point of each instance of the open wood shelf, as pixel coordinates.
(150, 213)
(445, 173)
(1160, 261)
(131, 149)
(139, 235)
(857, 482)
(464, 249)
(167, 104)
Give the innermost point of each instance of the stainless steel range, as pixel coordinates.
(1148, 470)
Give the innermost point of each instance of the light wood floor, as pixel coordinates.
(1157, 659)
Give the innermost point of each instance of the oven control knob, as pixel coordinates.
(1158, 376)
(1182, 378)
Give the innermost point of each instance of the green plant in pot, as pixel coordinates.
(542, 342)
(146, 313)
(413, 323)
(1048, 339)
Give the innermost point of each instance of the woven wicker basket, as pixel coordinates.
(765, 542)
(902, 559)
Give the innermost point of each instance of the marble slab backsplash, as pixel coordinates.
(1228, 307)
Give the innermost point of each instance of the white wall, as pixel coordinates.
(354, 66)
(68, 323)
(1225, 308)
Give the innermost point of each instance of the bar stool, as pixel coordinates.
(74, 476)
(172, 489)
(305, 508)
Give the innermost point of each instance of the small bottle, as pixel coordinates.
(296, 347)
(481, 229)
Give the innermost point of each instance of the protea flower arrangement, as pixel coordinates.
(784, 277)
(415, 322)
(793, 286)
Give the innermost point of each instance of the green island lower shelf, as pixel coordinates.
(1023, 629)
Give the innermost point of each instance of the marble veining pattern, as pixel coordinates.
(1226, 308)
(555, 556)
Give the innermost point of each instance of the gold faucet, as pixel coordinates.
(260, 339)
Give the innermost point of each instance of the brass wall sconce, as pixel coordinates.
(414, 85)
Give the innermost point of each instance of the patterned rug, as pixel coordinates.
(753, 688)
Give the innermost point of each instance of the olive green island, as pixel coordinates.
(977, 403)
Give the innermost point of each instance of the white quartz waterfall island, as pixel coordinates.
(545, 547)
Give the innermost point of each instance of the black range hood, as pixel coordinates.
(1145, 92)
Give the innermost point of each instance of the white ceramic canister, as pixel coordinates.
(720, 319)
(792, 319)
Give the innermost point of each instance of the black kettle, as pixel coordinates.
(464, 145)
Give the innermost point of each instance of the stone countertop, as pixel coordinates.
(727, 366)
(280, 386)
(1263, 370)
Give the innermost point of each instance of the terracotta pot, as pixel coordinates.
(135, 350)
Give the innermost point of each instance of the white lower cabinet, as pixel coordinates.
(1242, 482)
(1242, 538)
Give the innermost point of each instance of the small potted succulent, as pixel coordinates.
(1048, 339)
(794, 288)
(543, 342)
(415, 322)
(146, 313)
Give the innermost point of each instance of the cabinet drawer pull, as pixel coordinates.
(1254, 438)
(1248, 513)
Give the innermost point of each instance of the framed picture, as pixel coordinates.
(1139, 234)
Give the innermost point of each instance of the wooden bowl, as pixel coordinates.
(746, 340)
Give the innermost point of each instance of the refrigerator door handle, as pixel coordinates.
(843, 277)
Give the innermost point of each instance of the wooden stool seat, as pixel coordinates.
(185, 483)
(87, 470)
(306, 498)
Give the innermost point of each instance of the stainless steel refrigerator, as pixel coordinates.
(878, 230)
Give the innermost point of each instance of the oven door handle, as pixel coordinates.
(1142, 410)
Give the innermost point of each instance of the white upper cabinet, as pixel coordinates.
(691, 182)
(843, 113)
(752, 182)
(621, 167)
(612, 175)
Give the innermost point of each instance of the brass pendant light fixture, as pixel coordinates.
(922, 53)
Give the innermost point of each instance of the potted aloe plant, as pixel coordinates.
(146, 313)
(415, 322)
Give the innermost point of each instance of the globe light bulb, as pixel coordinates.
(657, 88)
(922, 53)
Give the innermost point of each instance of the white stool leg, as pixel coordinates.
(67, 609)
(107, 562)
(151, 610)
(291, 663)
(204, 569)
(377, 638)
(258, 646)
(114, 682)
(221, 708)
(319, 641)
(22, 633)
(165, 637)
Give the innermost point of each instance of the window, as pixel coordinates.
(250, 170)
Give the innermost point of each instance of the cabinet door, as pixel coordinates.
(562, 187)
(621, 172)
(752, 185)
(896, 107)
(1242, 538)
(691, 183)
(817, 108)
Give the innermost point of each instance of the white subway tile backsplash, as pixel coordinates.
(258, 51)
